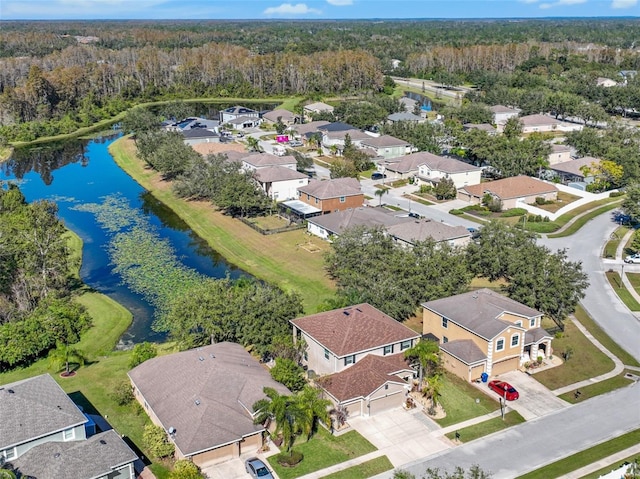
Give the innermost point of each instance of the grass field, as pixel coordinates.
(601, 206)
(5, 153)
(596, 389)
(607, 469)
(458, 398)
(280, 258)
(621, 290)
(563, 200)
(490, 426)
(367, 469)
(611, 246)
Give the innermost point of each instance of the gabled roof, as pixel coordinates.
(480, 311)
(354, 329)
(318, 106)
(199, 133)
(479, 126)
(539, 120)
(558, 148)
(310, 128)
(404, 116)
(465, 350)
(215, 148)
(573, 166)
(93, 458)
(365, 377)
(243, 119)
(405, 164)
(273, 174)
(421, 230)
(239, 110)
(335, 188)
(514, 187)
(354, 134)
(205, 394)
(34, 408)
(336, 126)
(285, 115)
(339, 221)
(534, 335)
(383, 141)
(267, 159)
(503, 109)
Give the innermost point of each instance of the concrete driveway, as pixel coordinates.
(233, 468)
(535, 399)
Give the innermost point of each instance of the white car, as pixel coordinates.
(632, 258)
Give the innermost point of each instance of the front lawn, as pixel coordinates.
(621, 290)
(563, 200)
(612, 245)
(367, 469)
(462, 401)
(490, 426)
(323, 450)
(596, 389)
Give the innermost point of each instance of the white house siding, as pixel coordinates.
(460, 180)
(286, 190)
(317, 231)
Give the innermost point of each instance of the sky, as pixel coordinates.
(310, 9)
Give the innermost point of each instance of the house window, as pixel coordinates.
(308, 197)
(9, 454)
(445, 339)
(386, 386)
(305, 356)
(326, 354)
(388, 349)
(69, 434)
(515, 340)
(349, 360)
(316, 201)
(500, 344)
(532, 322)
(343, 199)
(518, 323)
(445, 322)
(405, 345)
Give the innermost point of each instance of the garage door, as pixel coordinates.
(215, 455)
(385, 403)
(504, 366)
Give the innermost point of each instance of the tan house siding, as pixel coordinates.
(432, 323)
(216, 455)
(315, 357)
(457, 367)
(504, 366)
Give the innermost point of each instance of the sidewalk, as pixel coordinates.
(602, 463)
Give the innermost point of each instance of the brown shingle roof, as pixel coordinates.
(332, 188)
(365, 376)
(573, 166)
(355, 135)
(514, 187)
(421, 230)
(310, 127)
(215, 148)
(354, 329)
(205, 400)
(337, 222)
(411, 162)
(465, 350)
(480, 311)
(285, 115)
(272, 174)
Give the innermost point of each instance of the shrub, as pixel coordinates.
(123, 393)
(142, 352)
(538, 218)
(425, 189)
(495, 206)
(514, 212)
(545, 219)
(456, 212)
(289, 459)
(184, 469)
(155, 440)
(289, 373)
(540, 200)
(615, 194)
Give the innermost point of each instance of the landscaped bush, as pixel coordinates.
(540, 201)
(289, 459)
(514, 212)
(456, 212)
(123, 393)
(615, 194)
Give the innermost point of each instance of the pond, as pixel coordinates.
(81, 172)
(425, 101)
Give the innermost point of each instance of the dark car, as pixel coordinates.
(505, 390)
(256, 468)
(378, 176)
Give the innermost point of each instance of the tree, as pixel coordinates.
(427, 353)
(289, 373)
(64, 356)
(313, 409)
(473, 473)
(445, 189)
(141, 352)
(432, 391)
(284, 347)
(343, 168)
(631, 204)
(279, 126)
(606, 174)
(239, 195)
(380, 192)
(139, 120)
(513, 128)
(283, 410)
(156, 441)
(184, 469)
(303, 162)
(253, 144)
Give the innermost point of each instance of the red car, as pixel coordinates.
(505, 390)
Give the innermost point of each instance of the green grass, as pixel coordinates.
(634, 279)
(458, 398)
(596, 389)
(393, 207)
(612, 245)
(324, 450)
(490, 426)
(615, 465)
(289, 103)
(586, 362)
(278, 259)
(609, 204)
(5, 153)
(586, 457)
(367, 469)
(621, 290)
(109, 317)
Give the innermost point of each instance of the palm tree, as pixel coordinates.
(63, 356)
(283, 410)
(253, 144)
(313, 409)
(7, 474)
(432, 390)
(428, 355)
(379, 193)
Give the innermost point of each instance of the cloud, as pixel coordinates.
(289, 9)
(623, 3)
(340, 3)
(561, 3)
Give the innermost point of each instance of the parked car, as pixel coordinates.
(633, 258)
(377, 175)
(505, 390)
(256, 468)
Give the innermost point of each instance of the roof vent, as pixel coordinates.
(56, 455)
(197, 402)
(10, 391)
(103, 442)
(213, 356)
(200, 358)
(359, 310)
(346, 313)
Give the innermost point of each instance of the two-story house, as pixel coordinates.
(276, 175)
(334, 195)
(44, 434)
(484, 332)
(433, 168)
(386, 146)
(236, 112)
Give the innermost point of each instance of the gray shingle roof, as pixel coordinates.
(465, 350)
(420, 230)
(285, 115)
(205, 400)
(404, 116)
(384, 141)
(405, 164)
(311, 127)
(272, 174)
(480, 311)
(199, 133)
(534, 335)
(90, 459)
(503, 109)
(338, 222)
(33, 408)
(267, 159)
(332, 188)
(354, 329)
(573, 166)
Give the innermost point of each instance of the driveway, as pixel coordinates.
(535, 399)
(402, 436)
(233, 468)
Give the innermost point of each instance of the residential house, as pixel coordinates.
(333, 141)
(410, 232)
(195, 136)
(342, 337)
(334, 224)
(510, 191)
(559, 154)
(605, 82)
(315, 108)
(433, 168)
(263, 160)
(280, 183)
(285, 116)
(544, 123)
(334, 195)
(372, 385)
(502, 114)
(233, 151)
(484, 332)
(203, 398)
(480, 126)
(405, 116)
(409, 103)
(572, 171)
(44, 434)
(236, 112)
(306, 130)
(244, 122)
(386, 146)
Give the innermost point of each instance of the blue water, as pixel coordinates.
(78, 172)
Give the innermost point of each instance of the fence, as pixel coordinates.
(266, 232)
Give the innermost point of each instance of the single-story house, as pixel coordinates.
(342, 337)
(305, 130)
(409, 103)
(229, 149)
(432, 168)
(502, 114)
(386, 146)
(510, 191)
(334, 224)
(334, 195)
(480, 126)
(317, 107)
(410, 232)
(285, 116)
(484, 332)
(191, 123)
(335, 139)
(236, 112)
(195, 136)
(372, 385)
(572, 171)
(264, 160)
(244, 122)
(279, 182)
(544, 123)
(203, 399)
(44, 434)
(405, 116)
(559, 154)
